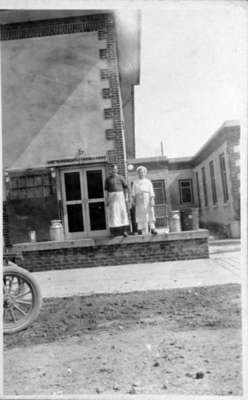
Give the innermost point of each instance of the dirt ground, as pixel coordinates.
(178, 341)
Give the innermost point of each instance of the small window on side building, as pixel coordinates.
(198, 189)
(186, 191)
(204, 186)
(213, 183)
(224, 178)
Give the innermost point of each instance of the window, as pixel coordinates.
(224, 178)
(198, 189)
(30, 186)
(160, 202)
(213, 183)
(159, 191)
(204, 186)
(186, 192)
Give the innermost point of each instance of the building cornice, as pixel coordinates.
(56, 26)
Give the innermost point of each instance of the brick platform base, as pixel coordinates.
(44, 256)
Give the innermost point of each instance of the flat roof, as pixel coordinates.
(227, 128)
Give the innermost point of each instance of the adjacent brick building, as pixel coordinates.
(210, 181)
(217, 177)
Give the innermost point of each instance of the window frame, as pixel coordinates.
(223, 173)
(213, 183)
(160, 209)
(198, 188)
(163, 190)
(180, 181)
(204, 184)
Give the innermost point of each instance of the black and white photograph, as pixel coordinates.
(124, 199)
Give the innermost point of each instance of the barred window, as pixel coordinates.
(30, 186)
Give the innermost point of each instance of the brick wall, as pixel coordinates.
(6, 237)
(118, 155)
(121, 253)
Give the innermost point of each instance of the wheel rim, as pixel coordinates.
(18, 301)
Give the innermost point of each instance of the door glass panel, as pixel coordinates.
(95, 184)
(75, 218)
(72, 186)
(97, 216)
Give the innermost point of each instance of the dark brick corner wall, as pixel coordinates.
(118, 156)
(6, 236)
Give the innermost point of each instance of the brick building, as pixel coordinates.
(210, 180)
(68, 112)
(217, 177)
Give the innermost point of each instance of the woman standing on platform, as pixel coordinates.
(143, 199)
(117, 195)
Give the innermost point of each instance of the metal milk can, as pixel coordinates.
(56, 230)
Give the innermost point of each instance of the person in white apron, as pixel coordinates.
(143, 198)
(116, 197)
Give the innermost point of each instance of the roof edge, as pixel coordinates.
(223, 133)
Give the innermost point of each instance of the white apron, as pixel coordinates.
(143, 191)
(117, 210)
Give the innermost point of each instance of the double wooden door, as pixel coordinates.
(83, 202)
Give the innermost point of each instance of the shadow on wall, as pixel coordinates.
(31, 214)
(222, 231)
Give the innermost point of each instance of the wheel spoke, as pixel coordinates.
(12, 314)
(20, 310)
(23, 294)
(23, 301)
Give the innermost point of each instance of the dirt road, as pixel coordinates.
(178, 341)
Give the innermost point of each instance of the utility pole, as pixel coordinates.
(162, 148)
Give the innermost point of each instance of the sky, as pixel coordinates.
(193, 69)
(192, 75)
